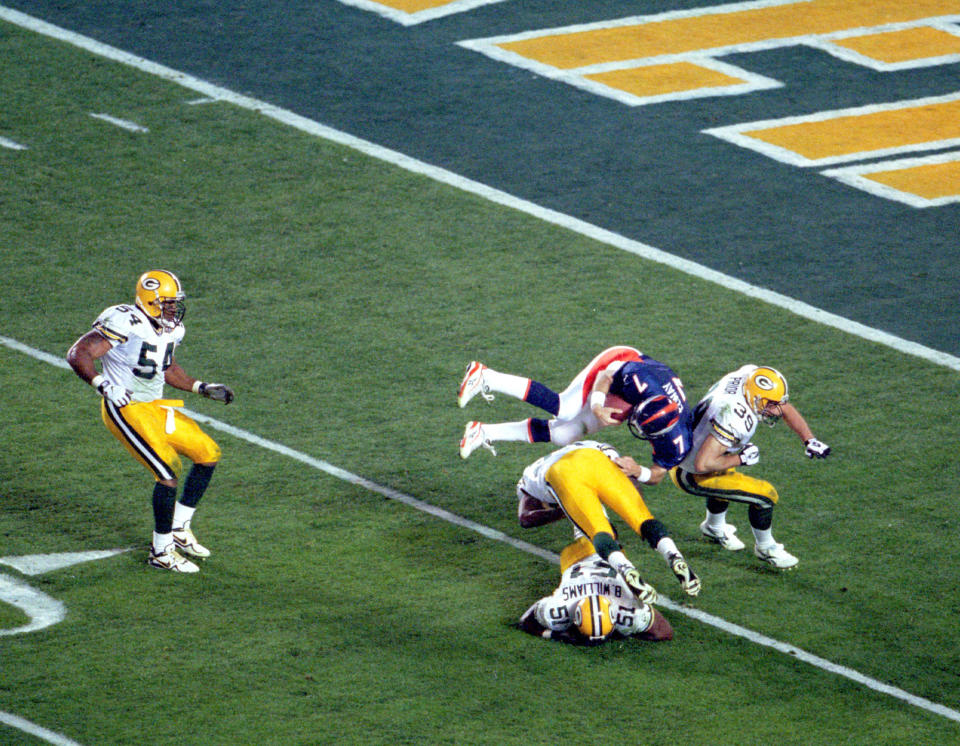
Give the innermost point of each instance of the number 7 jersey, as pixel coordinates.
(139, 353)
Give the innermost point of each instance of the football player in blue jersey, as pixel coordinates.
(135, 346)
(620, 384)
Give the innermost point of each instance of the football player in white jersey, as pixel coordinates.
(580, 481)
(135, 345)
(725, 422)
(592, 604)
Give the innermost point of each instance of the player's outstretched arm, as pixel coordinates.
(177, 377)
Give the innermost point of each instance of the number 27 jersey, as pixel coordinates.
(139, 353)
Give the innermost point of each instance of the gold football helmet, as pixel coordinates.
(592, 618)
(765, 390)
(160, 296)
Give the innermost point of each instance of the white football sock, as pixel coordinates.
(619, 562)
(764, 536)
(161, 542)
(666, 547)
(182, 515)
(717, 521)
(506, 383)
(507, 431)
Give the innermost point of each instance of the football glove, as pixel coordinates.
(750, 455)
(216, 391)
(816, 449)
(116, 395)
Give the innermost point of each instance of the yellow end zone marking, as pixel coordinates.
(903, 45)
(852, 134)
(412, 12)
(659, 80)
(720, 27)
(414, 6)
(930, 181)
(577, 54)
(918, 182)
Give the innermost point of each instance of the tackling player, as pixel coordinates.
(135, 345)
(592, 604)
(725, 422)
(658, 410)
(581, 480)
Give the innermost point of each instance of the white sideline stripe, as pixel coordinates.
(15, 721)
(552, 557)
(589, 230)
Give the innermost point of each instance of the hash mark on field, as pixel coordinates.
(491, 533)
(5, 143)
(121, 123)
(443, 176)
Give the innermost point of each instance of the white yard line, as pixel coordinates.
(645, 251)
(15, 721)
(490, 533)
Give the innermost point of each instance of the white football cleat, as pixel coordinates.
(776, 555)
(689, 582)
(170, 559)
(473, 438)
(644, 592)
(727, 538)
(473, 384)
(187, 542)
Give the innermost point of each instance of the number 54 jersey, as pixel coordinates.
(139, 354)
(723, 414)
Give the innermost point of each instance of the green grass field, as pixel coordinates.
(342, 298)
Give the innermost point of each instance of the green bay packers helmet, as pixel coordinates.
(765, 389)
(592, 619)
(160, 296)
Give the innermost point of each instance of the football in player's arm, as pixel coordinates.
(135, 347)
(649, 397)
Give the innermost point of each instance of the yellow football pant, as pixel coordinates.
(156, 434)
(584, 481)
(727, 485)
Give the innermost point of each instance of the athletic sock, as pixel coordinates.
(196, 484)
(667, 548)
(161, 542)
(716, 521)
(506, 383)
(763, 536)
(164, 498)
(518, 431)
(182, 515)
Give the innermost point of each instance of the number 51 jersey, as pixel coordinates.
(139, 352)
